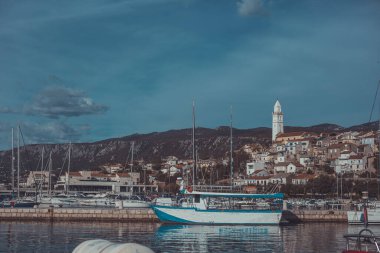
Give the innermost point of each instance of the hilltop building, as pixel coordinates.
(277, 120)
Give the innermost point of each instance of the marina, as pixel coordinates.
(196, 126)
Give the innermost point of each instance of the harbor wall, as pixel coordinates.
(78, 214)
(315, 216)
(142, 215)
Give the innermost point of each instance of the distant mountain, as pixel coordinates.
(211, 143)
(365, 127)
(327, 128)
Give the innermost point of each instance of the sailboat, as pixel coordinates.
(17, 202)
(132, 201)
(218, 208)
(356, 217)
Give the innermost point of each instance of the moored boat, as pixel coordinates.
(18, 203)
(132, 202)
(356, 217)
(222, 208)
(365, 240)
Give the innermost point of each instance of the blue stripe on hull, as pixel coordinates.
(164, 217)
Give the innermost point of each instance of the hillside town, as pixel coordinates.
(334, 163)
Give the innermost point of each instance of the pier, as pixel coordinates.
(78, 214)
(142, 215)
(297, 216)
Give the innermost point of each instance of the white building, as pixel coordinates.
(38, 178)
(279, 179)
(302, 179)
(254, 166)
(277, 120)
(95, 181)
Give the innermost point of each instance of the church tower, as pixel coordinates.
(278, 121)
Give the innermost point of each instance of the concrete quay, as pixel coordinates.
(78, 214)
(142, 215)
(297, 216)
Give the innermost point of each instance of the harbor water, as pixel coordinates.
(65, 236)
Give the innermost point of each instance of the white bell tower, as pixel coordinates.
(278, 121)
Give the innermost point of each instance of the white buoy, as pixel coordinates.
(104, 246)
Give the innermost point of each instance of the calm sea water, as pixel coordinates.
(64, 237)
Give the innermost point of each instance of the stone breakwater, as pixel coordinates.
(141, 215)
(78, 214)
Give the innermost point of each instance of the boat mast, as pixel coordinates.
(378, 152)
(49, 179)
(13, 163)
(231, 159)
(68, 171)
(132, 151)
(193, 143)
(18, 163)
(42, 177)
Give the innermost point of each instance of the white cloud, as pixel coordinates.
(57, 101)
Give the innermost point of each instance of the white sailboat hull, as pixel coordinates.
(196, 216)
(356, 217)
(132, 204)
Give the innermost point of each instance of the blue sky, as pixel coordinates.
(95, 69)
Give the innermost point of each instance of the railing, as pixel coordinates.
(217, 188)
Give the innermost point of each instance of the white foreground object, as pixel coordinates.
(104, 246)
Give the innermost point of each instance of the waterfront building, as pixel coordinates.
(95, 182)
(36, 178)
(277, 121)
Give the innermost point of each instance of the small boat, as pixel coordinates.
(356, 217)
(133, 201)
(365, 240)
(219, 208)
(99, 200)
(18, 203)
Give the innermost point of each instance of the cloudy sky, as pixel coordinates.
(94, 69)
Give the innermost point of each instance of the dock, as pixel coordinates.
(142, 215)
(297, 216)
(78, 214)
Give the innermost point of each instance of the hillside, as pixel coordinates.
(211, 143)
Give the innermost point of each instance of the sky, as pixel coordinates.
(83, 71)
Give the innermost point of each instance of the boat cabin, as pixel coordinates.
(238, 201)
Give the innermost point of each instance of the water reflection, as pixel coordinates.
(65, 236)
(196, 238)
